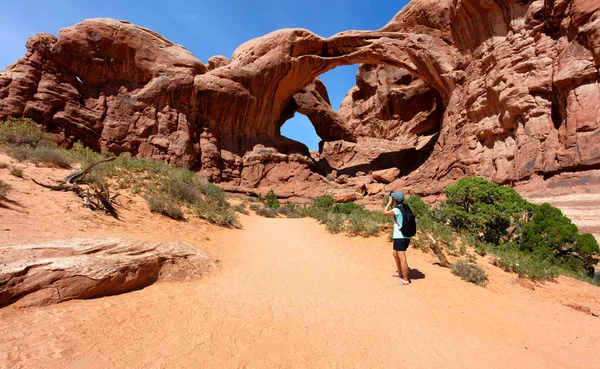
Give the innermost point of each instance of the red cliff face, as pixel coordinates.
(504, 89)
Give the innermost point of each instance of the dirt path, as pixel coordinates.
(292, 296)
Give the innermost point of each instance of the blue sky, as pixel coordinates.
(206, 28)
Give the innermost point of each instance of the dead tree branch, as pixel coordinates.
(438, 252)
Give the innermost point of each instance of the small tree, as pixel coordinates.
(271, 200)
(553, 235)
(483, 207)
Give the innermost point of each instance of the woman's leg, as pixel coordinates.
(397, 260)
(403, 264)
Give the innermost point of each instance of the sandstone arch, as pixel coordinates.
(313, 102)
(289, 60)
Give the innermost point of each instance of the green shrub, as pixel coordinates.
(3, 165)
(444, 234)
(41, 154)
(240, 209)
(587, 244)
(482, 207)
(362, 223)
(4, 188)
(21, 132)
(319, 214)
(182, 190)
(334, 223)
(228, 218)
(223, 216)
(356, 226)
(17, 172)
(295, 210)
(214, 194)
(345, 208)
(255, 207)
(470, 272)
(284, 211)
(419, 207)
(290, 210)
(266, 212)
(550, 234)
(324, 202)
(271, 200)
(524, 266)
(83, 154)
(164, 205)
(349, 217)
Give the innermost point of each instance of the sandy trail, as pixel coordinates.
(292, 296)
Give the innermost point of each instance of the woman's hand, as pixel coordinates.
(387, 210)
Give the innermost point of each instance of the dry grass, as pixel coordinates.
(17, 172)
(470, 272)
(165, 206)
(4, 188)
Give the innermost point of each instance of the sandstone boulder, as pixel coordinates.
(346, 196)
(84, 268)
(375, 188)
(386, 175)
(342, 179)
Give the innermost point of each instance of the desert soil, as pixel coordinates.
(288, 295)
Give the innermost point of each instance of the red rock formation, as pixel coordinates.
(517, 109)
(385, 175)
(115, 86)
(84, 268)
(313, 101)
(389, 103)
(515, 84)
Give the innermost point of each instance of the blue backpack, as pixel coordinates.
(409, 222)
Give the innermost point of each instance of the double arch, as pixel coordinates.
(265, 73)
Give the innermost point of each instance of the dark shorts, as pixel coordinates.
(401, 244)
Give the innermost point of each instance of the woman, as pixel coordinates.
(400, 242)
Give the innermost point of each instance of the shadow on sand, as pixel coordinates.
(415, 274)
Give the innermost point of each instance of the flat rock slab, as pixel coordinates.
(85, 268)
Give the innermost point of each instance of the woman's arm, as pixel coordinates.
(387, 211)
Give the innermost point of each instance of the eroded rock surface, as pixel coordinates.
(514, 113)
(390, 103)
(84, 268)
(504, 89)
